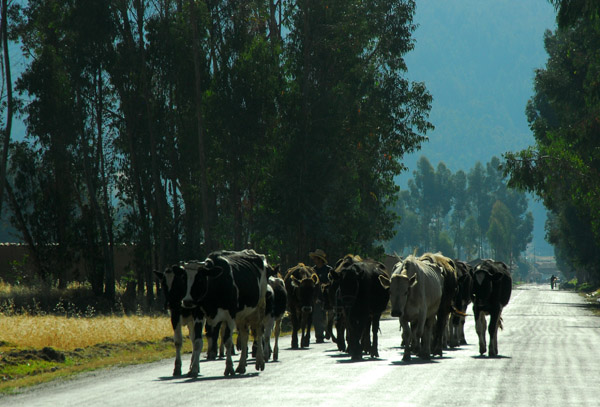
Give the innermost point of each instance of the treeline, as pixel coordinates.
(184, 126)
(464, 215)
(563, 167)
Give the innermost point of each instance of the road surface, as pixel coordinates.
(549, 356)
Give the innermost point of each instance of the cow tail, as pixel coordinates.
(457, 312)
(500, 323)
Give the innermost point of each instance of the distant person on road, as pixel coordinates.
(322, 269)
(553, 281)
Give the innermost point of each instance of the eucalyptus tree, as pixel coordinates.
(350, 115)
(64, 210)
(562, 167)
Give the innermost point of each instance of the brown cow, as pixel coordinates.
(301, 284)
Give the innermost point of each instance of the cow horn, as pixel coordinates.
(458, 312)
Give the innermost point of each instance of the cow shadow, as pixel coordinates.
(490, 357)
(188, 380)
(415, 361)
(348, 360)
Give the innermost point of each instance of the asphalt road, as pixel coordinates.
(549, 356)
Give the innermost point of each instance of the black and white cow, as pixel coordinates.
(492, 287)
(231, 287)
(364, 299)
(173, 282)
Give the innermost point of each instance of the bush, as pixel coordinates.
(585, 288)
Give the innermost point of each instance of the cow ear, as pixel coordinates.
(214, 271)
(384, 281)
(294, 281)
(497, 276)
(412, 281)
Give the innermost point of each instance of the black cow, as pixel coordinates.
(173, 283)
(462, 299)
(492, 286)
(231, 287)
(364, 299)
(332, 303)
(301, 283)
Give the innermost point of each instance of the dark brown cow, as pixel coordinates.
(332, 303)
(492, 287)
(301, 284)
(364, 298)
(462, 299)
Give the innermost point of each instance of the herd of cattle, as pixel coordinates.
(239, 291)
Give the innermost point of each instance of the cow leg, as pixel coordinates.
(258, 330)
(196, 338)
(340, 327)
(329, 325)
(425, 352)
(212, 339)
(267, 338)
(461, 331)
(228, 339)
(243, 341)
(406, 338)
(295, 328)
(306, 324)
(375, 330)
(493, 330)
(178, 341)
(480, 327)
(276, 345)
(366, 336)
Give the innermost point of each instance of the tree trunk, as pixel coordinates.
(9, 100)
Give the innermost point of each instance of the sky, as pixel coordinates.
(478, 60)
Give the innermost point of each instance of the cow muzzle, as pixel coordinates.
(306, 309)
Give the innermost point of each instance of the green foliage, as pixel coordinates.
(184, 127)
(562, 168)
(463, 215)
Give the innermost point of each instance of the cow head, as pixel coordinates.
(348, 275)
(173, 283)
(484, 277)
(302, 284)
(196, 282)
(403, 279)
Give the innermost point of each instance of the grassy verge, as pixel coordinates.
(37, 349)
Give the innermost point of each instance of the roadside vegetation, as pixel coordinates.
(49, 334)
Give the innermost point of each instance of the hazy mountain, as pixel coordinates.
(478, 58)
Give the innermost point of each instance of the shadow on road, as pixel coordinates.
(187, 380)
(490, 357)
(414, 362)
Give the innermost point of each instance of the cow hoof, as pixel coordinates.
(406, 358)
(463, 342)
(240, 370)
(177, 372)
(229, 371)
(192, 374)
(260, 366)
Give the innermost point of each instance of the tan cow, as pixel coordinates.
(415, 294)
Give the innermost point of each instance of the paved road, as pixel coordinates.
(549, 356)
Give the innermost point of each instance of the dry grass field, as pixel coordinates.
(66, 333)
(47, 334)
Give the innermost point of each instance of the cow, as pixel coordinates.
(301, 283)
(332, 303)
(364, 298)
(275, 309)
(447, 301)
(415, 296)
(492, 287)
(173, 284)
(231, 287)
(462, 299)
